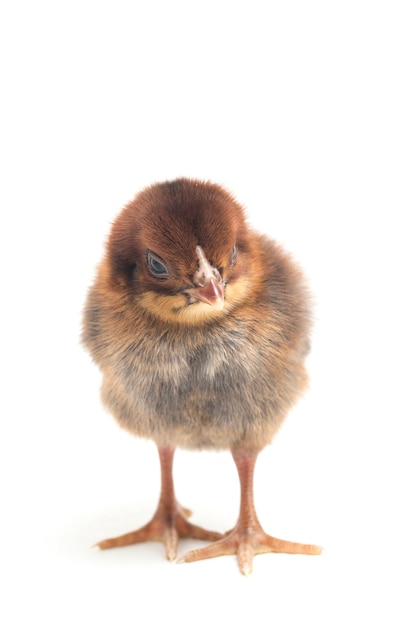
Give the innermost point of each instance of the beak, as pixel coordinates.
(212, 293)
(210, 287)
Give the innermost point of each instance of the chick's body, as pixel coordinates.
(225, 383)
(199, 326)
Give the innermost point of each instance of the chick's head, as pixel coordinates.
(183, 251)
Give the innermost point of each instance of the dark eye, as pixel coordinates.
(156, 265)
(234, 255)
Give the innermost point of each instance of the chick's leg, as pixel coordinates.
(248, 537)
(169, 521)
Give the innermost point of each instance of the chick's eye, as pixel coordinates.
(156, 266)
(234, 255)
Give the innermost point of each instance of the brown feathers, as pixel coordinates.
(176, 369)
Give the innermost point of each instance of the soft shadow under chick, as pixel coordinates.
(200, 328)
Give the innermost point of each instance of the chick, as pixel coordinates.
(200, 328)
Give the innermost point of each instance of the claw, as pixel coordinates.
(170, 541)
(245, 554)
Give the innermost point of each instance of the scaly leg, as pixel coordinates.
(248, 537)
(170, 520)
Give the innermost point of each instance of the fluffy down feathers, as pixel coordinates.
(178, 370)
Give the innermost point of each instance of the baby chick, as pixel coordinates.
(200, 328)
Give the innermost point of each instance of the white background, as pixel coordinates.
(306, 111)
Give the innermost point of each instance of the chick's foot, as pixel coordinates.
(167, 526)
(170, 520)
(246, 542)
